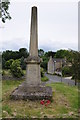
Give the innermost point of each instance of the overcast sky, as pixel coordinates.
(57, 25)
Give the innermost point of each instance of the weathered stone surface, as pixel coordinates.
(39, 92)
(33, 76)
(33, 59)
(33, 50)
(55, 64)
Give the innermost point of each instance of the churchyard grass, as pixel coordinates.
(6, 72)
(0, 98)
(44, 79)
(64, 104)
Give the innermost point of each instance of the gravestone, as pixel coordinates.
(32, 88)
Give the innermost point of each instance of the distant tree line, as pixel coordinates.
(8, 56)
(10, 59)
(15, 60)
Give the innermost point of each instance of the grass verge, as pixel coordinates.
(44, 79)
(64, 105)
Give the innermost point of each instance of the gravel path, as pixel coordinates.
(54, 78)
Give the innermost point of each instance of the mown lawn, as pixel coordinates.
(0, 99)
(64, 104)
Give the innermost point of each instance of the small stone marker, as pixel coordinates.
(32, 88)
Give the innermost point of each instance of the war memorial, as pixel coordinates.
(32, 88)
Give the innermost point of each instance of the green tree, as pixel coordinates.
(42, 72)
(8, 63)
(44, 62)
(50, 53)
(68, 54)
(16, 69)
(40, 52)
(23, 52)
(76, 66)
(66, 71)
(60, 53)
(23, 64)
(3, 63)
(4, 14)
(45, 59)
(9, 54)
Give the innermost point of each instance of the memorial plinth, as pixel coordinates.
(24, 92)
(32, 88)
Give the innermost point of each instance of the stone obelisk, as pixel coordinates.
(33, 61)
(32, 88)
(34, 33)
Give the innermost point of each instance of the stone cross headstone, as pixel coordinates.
(32, 88)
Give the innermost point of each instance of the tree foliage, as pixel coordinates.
(50, 53)
(45, 58)
(23, 52)
(66, 54)
(66, 71)
(44, 62)
(22, 63)
(8, 63)
(16, 69)
(3, 63)
(76, 65)
(42, 72)
(9, 54)
(4, 14)
(40, 52)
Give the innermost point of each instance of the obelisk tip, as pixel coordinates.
(34, 7)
